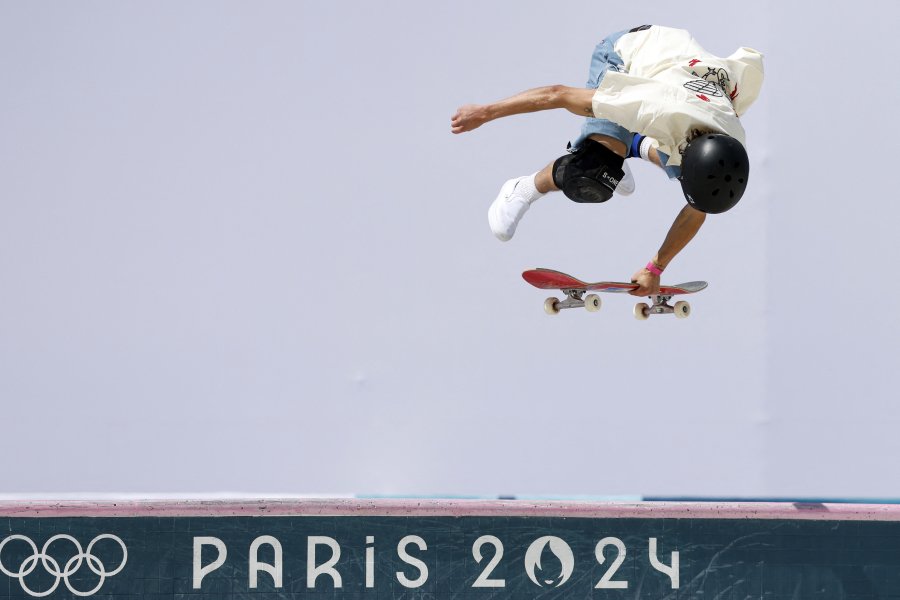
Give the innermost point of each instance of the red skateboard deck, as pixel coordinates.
(548, 279)
(575, 289)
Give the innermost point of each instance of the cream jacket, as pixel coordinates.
(670, 86)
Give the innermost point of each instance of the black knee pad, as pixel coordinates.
(590, 174)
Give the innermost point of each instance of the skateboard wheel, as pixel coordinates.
(551, 306)
(641, 311)
(592, 302)
(682, 309)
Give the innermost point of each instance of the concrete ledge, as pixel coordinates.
(340, 507)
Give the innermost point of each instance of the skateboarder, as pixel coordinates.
(653, 93)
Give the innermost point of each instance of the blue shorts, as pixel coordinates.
(605, 58)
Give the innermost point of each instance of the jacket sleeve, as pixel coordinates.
(746, 66)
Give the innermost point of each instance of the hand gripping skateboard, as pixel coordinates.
(575, 290)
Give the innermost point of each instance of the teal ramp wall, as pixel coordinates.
(468, 550)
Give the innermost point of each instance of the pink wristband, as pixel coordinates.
(653, 268)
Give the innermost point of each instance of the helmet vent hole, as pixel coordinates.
(741, 179)
(728, 178)
(710, 176)
(715, 192)
(710, 137)
(721, 163)
(731, 194)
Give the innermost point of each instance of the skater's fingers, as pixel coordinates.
(640, 291)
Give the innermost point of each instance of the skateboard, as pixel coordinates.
(577, 296)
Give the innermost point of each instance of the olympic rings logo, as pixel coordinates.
(52, 567)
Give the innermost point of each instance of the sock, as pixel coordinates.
(528, 190)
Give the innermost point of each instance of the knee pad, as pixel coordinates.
(590, 174)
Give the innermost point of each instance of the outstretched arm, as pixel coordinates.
(683, 230)
(575, 100)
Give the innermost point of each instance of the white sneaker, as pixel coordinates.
(626, 186)
(512, 202)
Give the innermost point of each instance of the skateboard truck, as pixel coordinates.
(574, 299)
(661, 306)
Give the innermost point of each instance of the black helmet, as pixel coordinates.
(714, 172)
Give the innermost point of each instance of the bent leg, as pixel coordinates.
(517, 195)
